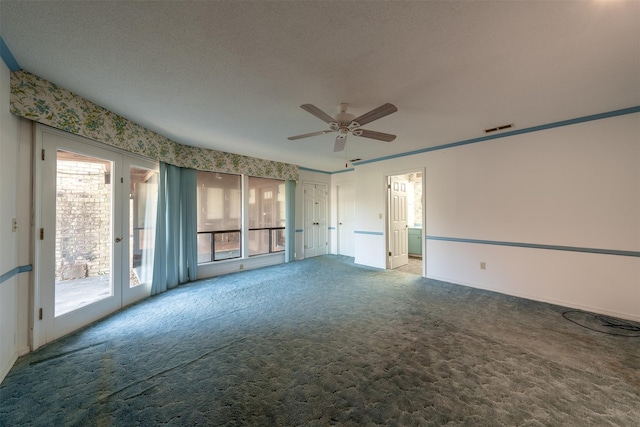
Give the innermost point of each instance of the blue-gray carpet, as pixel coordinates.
(326, 342)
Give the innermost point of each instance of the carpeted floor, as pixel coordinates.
(325, 342)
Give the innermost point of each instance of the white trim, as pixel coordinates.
(219, 268)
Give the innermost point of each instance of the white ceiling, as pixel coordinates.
(231, 75)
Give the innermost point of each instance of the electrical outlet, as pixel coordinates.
(483, 265)
(241, 266)
(14, 225)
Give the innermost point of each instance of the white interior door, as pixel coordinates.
(346, 218)
(315, 219)
(89, 223)
(398, 227)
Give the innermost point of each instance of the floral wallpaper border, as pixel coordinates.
(39, 100)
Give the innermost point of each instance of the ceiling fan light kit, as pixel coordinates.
(345, 123)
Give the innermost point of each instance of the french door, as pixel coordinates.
(95, 230)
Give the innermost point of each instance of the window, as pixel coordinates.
(223, 231)
(266, 216)
(219, 216)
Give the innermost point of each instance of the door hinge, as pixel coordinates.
(389, 253)
(42, 234)
(43, 154)
(121, 180)
(40, 314)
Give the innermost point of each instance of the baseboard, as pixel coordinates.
(5, 369)
(568, 304)
(23, 351)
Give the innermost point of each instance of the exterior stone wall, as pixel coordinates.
(83, 224)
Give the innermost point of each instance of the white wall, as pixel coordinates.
(25, 230)
(8, 237)
(576, 185)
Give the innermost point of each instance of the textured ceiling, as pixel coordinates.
(231, 75)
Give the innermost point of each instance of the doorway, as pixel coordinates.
(405, 219)
(95, 232)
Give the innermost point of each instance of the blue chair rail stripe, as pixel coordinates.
(371, 233)
(538, 246)
(14, 271)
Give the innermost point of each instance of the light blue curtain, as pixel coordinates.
(290, 221)
(176, 234)
(189, 203)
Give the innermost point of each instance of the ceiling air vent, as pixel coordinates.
(509, 126)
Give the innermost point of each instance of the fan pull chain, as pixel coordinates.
(346, 158)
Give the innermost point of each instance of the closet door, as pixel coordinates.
(315, 219)
(346, 218)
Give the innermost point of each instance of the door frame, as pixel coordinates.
(43, 329)
(388, 219)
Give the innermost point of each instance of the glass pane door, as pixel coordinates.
(84, 223)
(78, 215)
(141, 216)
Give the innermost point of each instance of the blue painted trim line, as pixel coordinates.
(8, 59)
(313, 170)
(537, 246)
(370, 233)
(9, 274)
(615, 113)
(343, 171)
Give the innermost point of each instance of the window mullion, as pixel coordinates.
(244, 234)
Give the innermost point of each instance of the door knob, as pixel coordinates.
(118, 239)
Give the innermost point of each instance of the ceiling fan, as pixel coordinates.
(345, 123)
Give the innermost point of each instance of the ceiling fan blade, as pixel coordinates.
(318, 113)
(307, 135)
(381, 136)
(375, 114)
(341, 140)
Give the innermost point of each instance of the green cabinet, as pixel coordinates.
(415, 241)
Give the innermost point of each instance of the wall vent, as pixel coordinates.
(495, 129)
